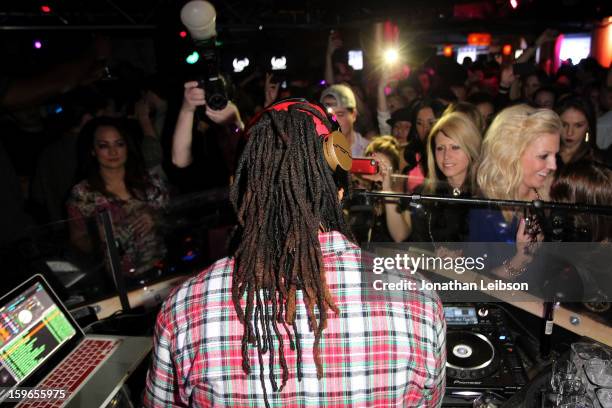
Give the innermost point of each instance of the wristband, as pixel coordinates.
(512, 271)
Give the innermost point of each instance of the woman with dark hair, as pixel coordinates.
(544, 97)
(425, 113)
(531, 83)
(115, 180)
(579, 131)
(586, 183)
(486, 105)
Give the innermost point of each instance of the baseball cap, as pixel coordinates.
(342, 94)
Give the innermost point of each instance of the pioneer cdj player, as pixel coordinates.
(481, 354)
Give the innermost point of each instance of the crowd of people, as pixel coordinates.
(128, 146)
(477, 132)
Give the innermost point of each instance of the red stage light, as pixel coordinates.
(507, 49)
(183, 34)
(45, 9)
(514, 3)
(482, 39)
(448, 51)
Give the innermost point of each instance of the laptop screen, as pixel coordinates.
(32, 329)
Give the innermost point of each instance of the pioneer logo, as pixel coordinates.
(467, 382)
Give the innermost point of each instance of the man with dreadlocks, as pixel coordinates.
(282, 321)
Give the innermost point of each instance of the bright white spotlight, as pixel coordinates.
(240, 64)
(514, 3)
(391, 56)
(278, 63)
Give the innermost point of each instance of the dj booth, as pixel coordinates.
(492, 348)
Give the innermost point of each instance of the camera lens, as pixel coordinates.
(217, 101)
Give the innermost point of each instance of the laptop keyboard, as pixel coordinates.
(73, 371)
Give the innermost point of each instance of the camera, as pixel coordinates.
(199, 17)
(212, 81)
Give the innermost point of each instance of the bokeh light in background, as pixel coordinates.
(448, 51)
(391, 56)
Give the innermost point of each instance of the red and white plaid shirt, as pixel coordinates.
(375, 353)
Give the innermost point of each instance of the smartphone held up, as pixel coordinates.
(364, 166)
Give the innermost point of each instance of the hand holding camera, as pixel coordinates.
(376, 168)
(226, 116)
(193, 96)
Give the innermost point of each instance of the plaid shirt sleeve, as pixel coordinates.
(437, 383)
(162, 387)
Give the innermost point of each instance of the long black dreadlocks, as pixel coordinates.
(284, 192)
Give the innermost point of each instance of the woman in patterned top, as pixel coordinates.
(117, 181)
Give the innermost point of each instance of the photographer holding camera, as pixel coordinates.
(226, 124)
(221, 122)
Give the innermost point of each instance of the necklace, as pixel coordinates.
(535, 190)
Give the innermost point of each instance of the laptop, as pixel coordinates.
(42, 346)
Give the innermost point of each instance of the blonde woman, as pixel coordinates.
(453, 147)
(518, 161)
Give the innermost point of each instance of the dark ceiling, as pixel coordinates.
(307, 14)
(264, 26)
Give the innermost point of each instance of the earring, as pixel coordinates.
(586, 137)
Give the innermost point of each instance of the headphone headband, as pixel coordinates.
(336, 149)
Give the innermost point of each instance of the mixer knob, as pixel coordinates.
(483, 312)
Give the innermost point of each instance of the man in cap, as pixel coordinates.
(340, 101)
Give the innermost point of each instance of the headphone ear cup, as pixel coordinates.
(337, 151)
(328, 153)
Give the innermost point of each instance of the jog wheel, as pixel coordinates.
(469, 355)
